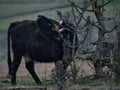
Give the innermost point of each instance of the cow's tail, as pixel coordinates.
(9, 55)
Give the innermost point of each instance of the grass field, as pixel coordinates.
(16, 10)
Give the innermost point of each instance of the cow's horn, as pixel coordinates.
(62, 29)
(61, 22)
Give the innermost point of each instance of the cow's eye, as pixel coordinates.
(50, 25)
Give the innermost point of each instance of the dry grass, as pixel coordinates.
(24, 79)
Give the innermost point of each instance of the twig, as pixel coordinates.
(88, 76)
(105, 4)
(90, 66)
(109, 31)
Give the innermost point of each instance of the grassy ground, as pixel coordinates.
(16, 10)
(88, 84)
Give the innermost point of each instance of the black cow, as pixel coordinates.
(35, 41)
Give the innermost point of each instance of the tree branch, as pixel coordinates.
(106, 3)
(76, 6)
(109, 31)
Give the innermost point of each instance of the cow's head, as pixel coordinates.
(47, 23)
(51, 27)
(59, 33)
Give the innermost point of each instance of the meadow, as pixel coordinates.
(17, 10)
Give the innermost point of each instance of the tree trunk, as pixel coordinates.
(98, 68)
(99, 15)
(60, 75)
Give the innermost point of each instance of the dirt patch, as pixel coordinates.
(40, 68)
(43, 69)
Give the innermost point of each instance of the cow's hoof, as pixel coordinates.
(9, 76)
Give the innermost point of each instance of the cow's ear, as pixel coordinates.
(39, 16)
(42, 18)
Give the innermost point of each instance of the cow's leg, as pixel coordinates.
(9, 70)
(15, 65)
(30, 68)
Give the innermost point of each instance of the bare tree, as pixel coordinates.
(73, 21)
(83, 26)
(98, 11)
